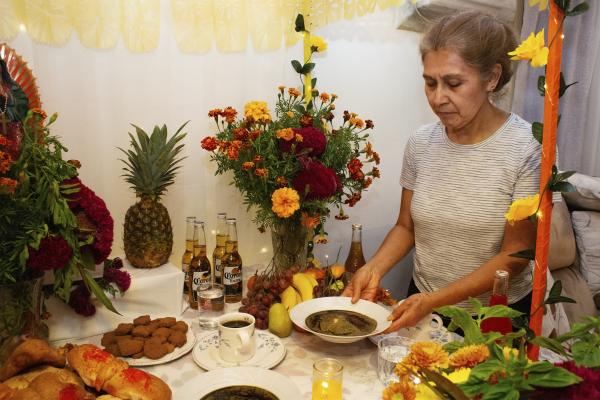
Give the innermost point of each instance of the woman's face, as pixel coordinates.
(454, 89)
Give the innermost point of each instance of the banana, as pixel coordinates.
(303, 285)
(298, 297)
(288, 298)
(312, 279)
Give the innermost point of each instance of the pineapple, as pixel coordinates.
(150, 168)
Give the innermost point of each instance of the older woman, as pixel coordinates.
(459, 177)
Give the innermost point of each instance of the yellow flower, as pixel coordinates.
(286, 134)
(460, 375)
(290, 114)
(285, 202)
(427, 355)
(299, 137)
(532, 49)
(469, 356)
(542, 4)
(318, 44)
(509, 353)
(457, 376)
(320, 239)
(294, 92)
(257, 111)
(403, 390)
(522, 208)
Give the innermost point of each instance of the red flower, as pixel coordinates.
(354, 165)
(355, 198)
(241, 133)
(316, 181)
(209, 143)
(121, 278)
(313, 139)
(81, 301)
(53, 253)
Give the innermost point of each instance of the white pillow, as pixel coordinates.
(587, 235)
(587, 193)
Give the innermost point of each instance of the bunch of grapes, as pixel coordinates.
(263, 291)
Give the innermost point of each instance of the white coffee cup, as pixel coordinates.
(427, 329)
(236, 337)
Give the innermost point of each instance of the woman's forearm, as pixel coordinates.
(398, 242)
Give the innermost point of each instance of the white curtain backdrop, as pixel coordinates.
(579, 130)
(374, 68)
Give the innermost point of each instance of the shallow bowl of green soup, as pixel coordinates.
(337, 320)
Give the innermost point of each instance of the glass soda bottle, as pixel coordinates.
(189, 249)
(199, 270)
(219, 250)
(355, 258)
(231, 265)
(499, 297)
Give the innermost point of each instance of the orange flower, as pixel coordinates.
(376, 158)
(469, 356)
(285, 202)
(39, 112)
(370, 124)
(234, 149)
(341, 216)
(281, 88)
(4, 141)
(324, 97)
(354, 166)
(247, 165)
(281, 181)
(261, 172)
(290, 114)
(240, 133)
(298, 137)
(229, 114)
(286, 134)
(8, 185)
(294, 92)
(367, 182)
(255, 134)
(355, 198)
(214, 113)
(306, 120)
(209, 143)
(428, 355)
(369, 149)
(334, 96)
(5, 162)
(375, 172)
(309, 221)
(403, 390)
(257, 159)
(359, 123)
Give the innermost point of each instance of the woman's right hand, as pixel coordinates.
(363, 285)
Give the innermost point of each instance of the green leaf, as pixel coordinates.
(587, 353)
(563, 86)
(549, 343)
(504, 390)
(562, 187)
(537, 129)
(300, 108)
(476, 304)
(299, 24)
(541, 85)
(313, 82)
(499, 311)
(563, 4)
(549, 376)
(307, 68)
(97, 290)
(53, 118)
(484, 370)
(528, 254)
(463, 320)
(578, 9)
(297, 66)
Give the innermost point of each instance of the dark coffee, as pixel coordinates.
(236, 324)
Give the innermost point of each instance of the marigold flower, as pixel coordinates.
(341, 216)
(521, 209)
(334, 96)
(332, 106)
(4, 141)
(375, 172)
(257, 159)
(309, 221)
(358, 175)
(229, 113)
(369, 149)
(355, 198)
(346, 116)
(285, 202)
(281, 181)
(376, 158)
(324, 97)
(532, 49)
(214, 113)
(367, 182)
(403, 390)
(317, 44)
(286, 134)
(294, 92)
(354, 165)
(75, 163)
(281, 88)
(469, 356)
(209, 143)
(542, 4)
(290, 114)
(321, 238)
(247, 165)
(257, 111)
(5, 162)
(39, 112)
(233, 149)
(359, 123)
(306, 120)
(428, 355)
(298, 137)
(261, 172)
(370, 124)
(509, 353)
(240, 133)
(255, 134)
(8, 185)
(329, 116)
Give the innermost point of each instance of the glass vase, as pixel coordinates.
(20, 314)
(290, 241)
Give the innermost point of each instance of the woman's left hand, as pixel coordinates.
(410, 311)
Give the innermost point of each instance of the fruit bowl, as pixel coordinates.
(299, 313)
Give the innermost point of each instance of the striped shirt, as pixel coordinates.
(460, 195)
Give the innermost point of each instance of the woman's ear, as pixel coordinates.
(494, 77)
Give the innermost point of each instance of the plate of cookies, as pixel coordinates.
(146, 341)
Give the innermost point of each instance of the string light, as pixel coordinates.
(22, 27)
(562, 35)
(263, 250)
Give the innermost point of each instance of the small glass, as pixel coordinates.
(390, 351)
(327, 379)
(210, 304)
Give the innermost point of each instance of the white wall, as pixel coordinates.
(373, 67)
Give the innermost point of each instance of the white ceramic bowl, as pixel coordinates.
(299, 313)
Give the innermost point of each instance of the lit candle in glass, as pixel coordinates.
(327, 379)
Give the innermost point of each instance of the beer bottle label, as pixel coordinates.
(198, 278)
(217, 262)
(232, 275)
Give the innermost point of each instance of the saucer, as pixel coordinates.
(269, 352)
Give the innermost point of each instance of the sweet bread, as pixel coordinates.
(22, 381)
(50, 386)
(135, 384)
(93, 365)
(30, 353)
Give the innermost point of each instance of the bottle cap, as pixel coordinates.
(190, 219)
(500, 273)
(230, 221)
(222, 215)
(198, 222)
(356, 226)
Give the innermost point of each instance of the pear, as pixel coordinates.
(279, 320)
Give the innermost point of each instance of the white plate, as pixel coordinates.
(202, 384)
(269, 352)
(299, 313)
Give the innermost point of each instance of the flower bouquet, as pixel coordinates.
(495, 366)
(49, 221)
(291, 167)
